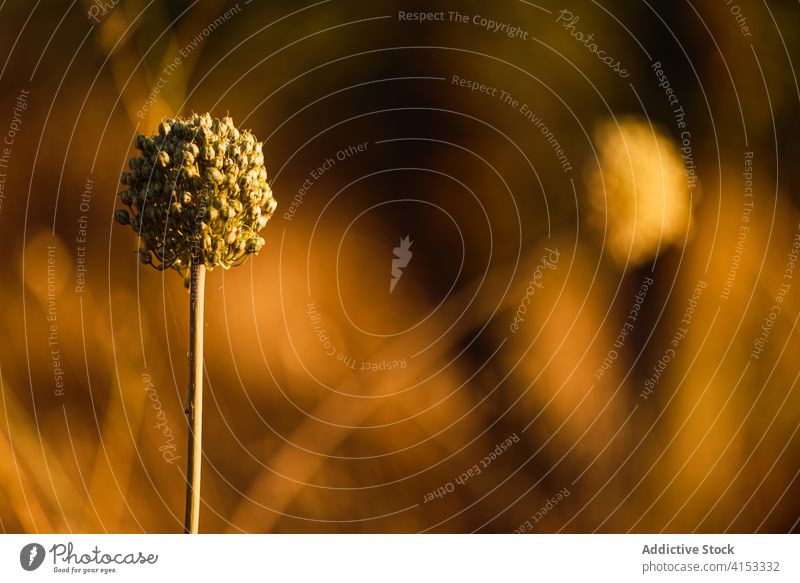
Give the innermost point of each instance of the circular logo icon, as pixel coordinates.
(31, 556)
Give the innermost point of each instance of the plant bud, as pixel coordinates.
(215, 176)
(198, 187)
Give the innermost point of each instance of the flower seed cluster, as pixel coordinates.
(198, 191)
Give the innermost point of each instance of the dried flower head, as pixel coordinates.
(198, 191)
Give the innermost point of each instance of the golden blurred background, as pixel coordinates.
(594, 325)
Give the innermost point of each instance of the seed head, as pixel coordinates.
(197, 191)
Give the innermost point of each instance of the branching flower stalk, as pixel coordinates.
(197, 196)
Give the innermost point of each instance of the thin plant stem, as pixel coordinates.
(194, 410)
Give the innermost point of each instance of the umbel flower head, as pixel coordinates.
(197, 192)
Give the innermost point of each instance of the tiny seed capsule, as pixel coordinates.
(123, 217)
(252, 246)
(215, 176)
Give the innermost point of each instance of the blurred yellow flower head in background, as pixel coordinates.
(638, 195)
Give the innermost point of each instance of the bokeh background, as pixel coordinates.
(540, 208)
